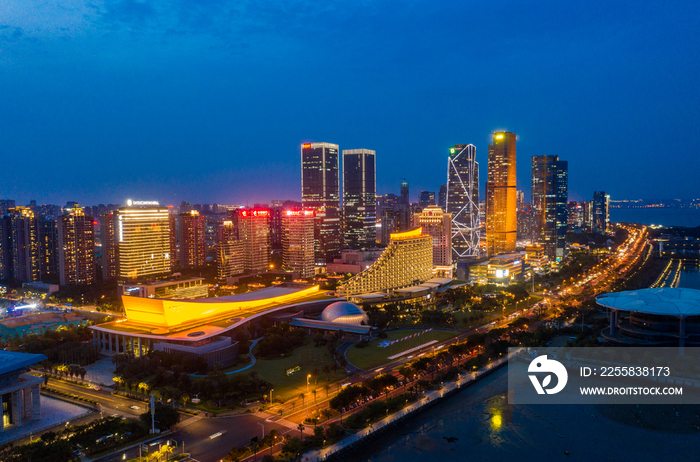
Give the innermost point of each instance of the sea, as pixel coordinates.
(666, 216)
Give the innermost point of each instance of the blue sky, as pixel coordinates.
(208, 101)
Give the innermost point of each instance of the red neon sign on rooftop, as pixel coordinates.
(254, 213)
(306, 145)
(298, 213)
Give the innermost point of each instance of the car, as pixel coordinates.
(134, 407)
(96, 388)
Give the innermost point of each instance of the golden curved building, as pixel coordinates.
(406, 261)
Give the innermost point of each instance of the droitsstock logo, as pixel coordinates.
(542, 364)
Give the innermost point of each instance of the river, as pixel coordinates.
(665, 216)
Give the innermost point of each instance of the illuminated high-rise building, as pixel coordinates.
(20, 245)
(191, 230)
(600, 212)
(404, 200)
(47, 232)
(298, 242)
(550, 179)
(109, 246)
(359, 198)
(320, 191)
(76, 243)
(254, 231)
(501, 210)
(442, 197)
(463, 200)
(143, 241)
(438, 225)
(426, 198)
(230, 252)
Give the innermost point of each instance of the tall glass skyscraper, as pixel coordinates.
(600, 212)
(550, 189)
(462, 200)
(359, 198)
(501, 209)
(320, 191)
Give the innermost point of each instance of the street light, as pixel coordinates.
(307, 382)
(263, 428)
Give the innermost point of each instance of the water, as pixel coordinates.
(488, 429)
(690, 276)
(657, 216)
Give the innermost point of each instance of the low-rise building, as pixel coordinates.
(353, 261)
(500, 269)
(19, 392)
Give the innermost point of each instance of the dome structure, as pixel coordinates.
(344, 313)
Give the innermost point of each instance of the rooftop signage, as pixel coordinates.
(131, 203)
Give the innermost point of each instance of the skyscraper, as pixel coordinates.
(254, 231)
(143, 241)
(463, 200)
(501, 214)
(191, 231)
(359, 198)
(549, 203)
(230, 252)
(426, 198)
(404, 200)
(437, 224)
(76, 244)
(21, 245)
(320, 191)
(442, 197)
(298, 242)
(47, 232)
(109, 247)
(600, 212)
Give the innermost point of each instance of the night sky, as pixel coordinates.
(208, 101)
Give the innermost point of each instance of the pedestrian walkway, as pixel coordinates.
(53, 412)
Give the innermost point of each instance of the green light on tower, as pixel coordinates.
(452, 150)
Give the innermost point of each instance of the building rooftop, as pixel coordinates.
(669, 301)
(11, 361)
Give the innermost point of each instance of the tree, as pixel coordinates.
(292, 446)
(300, 427)
(165, 416)
(327, 387)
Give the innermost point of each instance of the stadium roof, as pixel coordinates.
(668, 301)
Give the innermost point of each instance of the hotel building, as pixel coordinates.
(406, 261)
(76, 243)
(438, 225)
(143, 240)
(501, 210)
(298, 242)
(320, 191)
(359, 193)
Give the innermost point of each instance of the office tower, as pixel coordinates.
(463, 200)
(437, 224)
(359, 191)
(230, 252)
(404, 193)
(575, 218)
(587, 219)
(501, 214)
(109, 246)
(76, 243)
(191, 232)
(549, 204)
(442, 197)
(426, 198)
(143, 241)
(320, 191)
(600, 212)
(173, 223)
(47, 232)
(524, 221)
(298, 242)
(21, 245)
(254, 231)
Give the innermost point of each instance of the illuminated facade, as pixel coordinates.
(191, 230)
(550, 179)
(359, 192)
(320, 191)
(176, 289)
(406, 261)
(254, 231)
(463, 200)
(600, 212)
(298, 242)
(143, 242)
(426, 199)
(76, 243)
(536, 256)
(20, 241)
(438, 225)
(47, 232)
(109, 246)
(501, 210)
(230, 252)
(501, 270)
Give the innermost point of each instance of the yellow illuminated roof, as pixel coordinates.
(414, 233)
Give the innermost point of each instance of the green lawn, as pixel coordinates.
(374, 356)
(308, 358)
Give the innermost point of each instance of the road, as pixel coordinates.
(111, 404)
